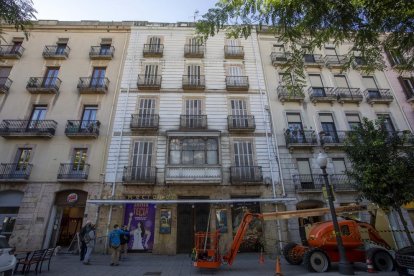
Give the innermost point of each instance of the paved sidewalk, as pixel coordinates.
(178, 265)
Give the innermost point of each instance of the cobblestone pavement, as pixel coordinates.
(178, 265)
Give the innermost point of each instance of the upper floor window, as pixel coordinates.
(387, 122)
(341, 81)
(408, 86)
(353, 120)
(395, 58)
(193, 151)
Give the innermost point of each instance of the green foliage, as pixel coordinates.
(17, 13)
(382, 164)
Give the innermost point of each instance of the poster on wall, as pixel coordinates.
(165, 221)
(221, 220)
(140, 219)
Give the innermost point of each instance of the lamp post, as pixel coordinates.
(344, 266)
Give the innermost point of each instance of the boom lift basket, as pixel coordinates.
(207, 253)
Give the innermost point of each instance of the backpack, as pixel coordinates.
(87, 237)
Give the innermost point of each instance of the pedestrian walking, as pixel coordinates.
(124, 241)
(115, 244)
(89, 239)
(82, 233)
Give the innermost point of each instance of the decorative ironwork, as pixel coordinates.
(56, 51)
(237, 83)
(280, 58)
(300, 138)
(193, 174)
(241, 123)
(19, 128)
(342, 182)
(295, 95)
(246, 175)
(153, 50)
(193, 51)
(335, 60)
(93, 85)
(5, 84)
(102, 52)
(333, 137)
(11, 51)
(144, 121)
(152, 82)
(233, 52)
(378, 95)
(43, 85)
(140, 175)
(15, 171)
(308, 182)
(348, 95)
(73, 172)
(82, 128)
(322, 94)
(313, 60)
(193, 121)
(194, 82)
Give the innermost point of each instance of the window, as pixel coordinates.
(395, 58)
(154, 44)
(371, 86)
(239, 113)
(353, 120)
(79, 159)
(233, 47)
(194, 74)
(105, 49)
(278, 48)
(60, 48)
(194, 45)
(295, 128)
(308, 56)
(317, 85)
(38, 113)
(407, 85)
(389, 126)
(328, 127)
(98, 77)
(142, 159)
(305, 173)
(22, 159)
(4, 74)
(330, 51)
(146, 112)
(236, 75)
(89, 117)
(16, 47)
(193, 110)
(243, 153)
(285, 78)
(341, 81)
(339, 165)
(193, 151)
(51, 76)
(150, 74)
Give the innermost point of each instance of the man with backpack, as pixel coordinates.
(115, 244)
(124, 242)
(82, 233)
(89, 239)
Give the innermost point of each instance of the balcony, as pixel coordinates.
(11, 172)
(378, 96)
(360, 62)
(73, 172)
(191, 122)
(82, 128)
(342, 183)
(322, 95)
(237, 83)
(56, 52)
(241, 123)
(49, 85)
(313, 60)
(193, 51)
(153, 50)
(5, 84)
(280, 58)
(149, 82)
(294, 95)
(332, 61)
(308, 183)
(144, 122)
(203, 174)
(197, 82)
(11, 51)
(140, 175)
(348, 95)
(405, 135)
(27, 128)
(234, 52)
(332, 139)
(246, 175)
(91, 85)
(99, 52)
(300, 139)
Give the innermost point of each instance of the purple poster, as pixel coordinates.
(140, 220)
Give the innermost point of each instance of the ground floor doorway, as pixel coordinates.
(308, 204)
(9, 209)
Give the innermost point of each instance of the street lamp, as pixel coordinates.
(344, 266)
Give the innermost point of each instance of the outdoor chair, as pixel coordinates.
(47, 257)
(32, 258)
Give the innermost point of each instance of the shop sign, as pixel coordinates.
(151, 197)
(72, 198)
(140, 221)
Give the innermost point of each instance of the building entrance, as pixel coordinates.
(308, 204)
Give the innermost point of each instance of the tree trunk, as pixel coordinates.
(404, 223)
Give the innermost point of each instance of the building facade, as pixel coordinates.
(58, 89)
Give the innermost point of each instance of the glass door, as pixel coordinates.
(88, 118)
(98, 77)
(21, 162)
(50, 78)
(142, 160)
(239, 112)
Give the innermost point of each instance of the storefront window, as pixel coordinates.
(193, 151)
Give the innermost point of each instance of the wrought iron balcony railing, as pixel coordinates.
(246, 175)
(5, 84)
(313, 60)
(73, 172)
(153, 50)
(56, 52)
(139, 175)
(101, 52)
(48, 85)
(233, 52)
(11, 51)
(15, 171)
(144, 121)
(237, 83)
(294, 95)
(300, 138)
(22, 128)
(378, 96)
(91, 85)
(280, 58)
(322, 94)
(185, 174)
(194, 82)
(149, 82)
(193, 121)
(406, 135)
(82, 128)
(241, 123)
(193, 51)
(335, 60)
(342, 182)
(308, 182)
(348, 95)
(333, 137)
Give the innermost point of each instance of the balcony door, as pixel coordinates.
(4, 74)
(51, 76)
(339, 178)
(235, 72)
(353, 120)
(317, 85)
(105, 49)
(239, 113)
(372, 87)
(243, 159)
(79, 160)
(146, 112)
(194, 45)
(305, 174)
(387, 122)
(38, 114)
(193, 112)
(233, 46)
(194, 74)
(21, 161)
(329, 128)
(98, 77)
(150, 76)
(16, 47)
(341, 81)
(295, 127)
(88, 117)
(60, 48)
(331, 51)
(142, 160)
(155, 44)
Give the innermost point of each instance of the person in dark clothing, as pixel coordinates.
(124, 241)
(85, 229)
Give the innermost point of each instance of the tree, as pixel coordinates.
(382, 166)
(371, 26)
(17, 13)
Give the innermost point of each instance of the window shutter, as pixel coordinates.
(406, 89)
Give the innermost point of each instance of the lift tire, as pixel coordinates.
(290, 255)
(381, 260)
(316, 260)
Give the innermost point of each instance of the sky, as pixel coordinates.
(170, 11)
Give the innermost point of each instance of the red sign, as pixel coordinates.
(72, 198)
